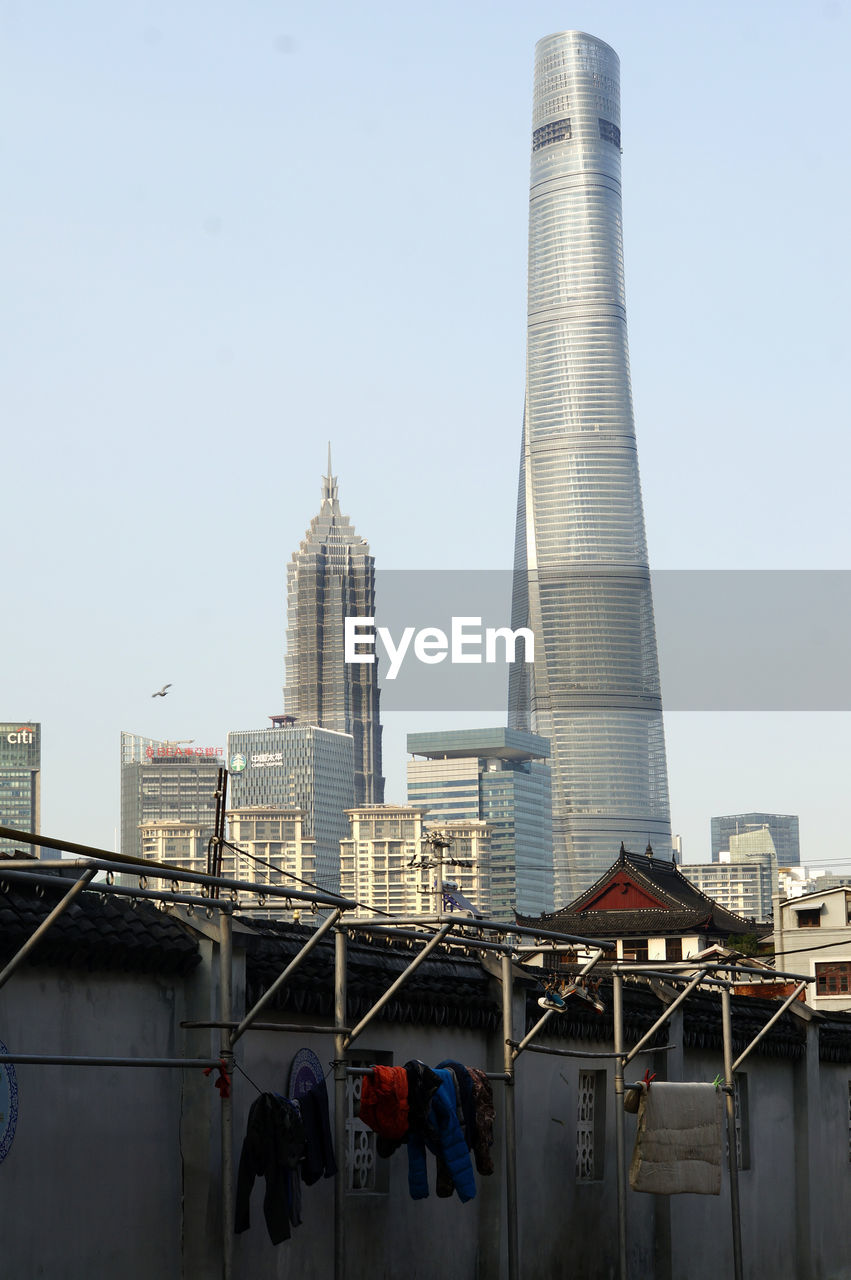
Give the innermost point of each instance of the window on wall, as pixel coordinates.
(674, 949)
(833, 979)
(635, 949)
(809, 919)
(365, 1172)
(590, 1125)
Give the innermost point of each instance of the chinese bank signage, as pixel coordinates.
(168, 749)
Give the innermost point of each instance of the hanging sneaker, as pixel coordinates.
(552, 1000)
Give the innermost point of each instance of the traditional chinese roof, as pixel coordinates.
(641, 896)
(96, 931)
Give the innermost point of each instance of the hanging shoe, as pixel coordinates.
(552, 1000)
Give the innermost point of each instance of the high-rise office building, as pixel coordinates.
(581, 576)
(20, 781)
(166, 782)
(329, 578)
(298, 766)
(783, 827)
(500, 777)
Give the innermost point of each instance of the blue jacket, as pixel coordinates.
(444, 1138)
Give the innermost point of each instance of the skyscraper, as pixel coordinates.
(166, 782)
(581, 576)
(783, 827)
(500, 777)
(331, 577)
(20, 781)
(298, 766)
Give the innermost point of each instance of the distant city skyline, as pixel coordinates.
(183, 336)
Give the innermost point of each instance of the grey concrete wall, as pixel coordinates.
(92, 1182)
(116, 1172)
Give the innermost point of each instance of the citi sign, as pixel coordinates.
(23, 735)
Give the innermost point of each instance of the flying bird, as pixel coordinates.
(162, 692)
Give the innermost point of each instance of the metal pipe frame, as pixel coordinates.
(173, 896)
(340, 1103)
(802, 986)
(494, 926)
(36, 937)
(730, 1107)
(620, 1141)
(261, 1026)
(64, 1060)
(660, 1022)
(296, 961)
(678, 968)
(161, 871)
(510, 1117)
(394, 986)
(541, 1021)
(390, 931)
(579, 1053)
(225, 1008)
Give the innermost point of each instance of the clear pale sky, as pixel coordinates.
(233, 232)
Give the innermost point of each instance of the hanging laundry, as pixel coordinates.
(318, 1159)
(484, 1112)
(384, 1101)
(273, 1146)
(678, 1140)
(442, 1134)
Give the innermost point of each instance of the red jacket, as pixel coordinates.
(384, 1101)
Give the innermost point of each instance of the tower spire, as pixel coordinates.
(329, 485)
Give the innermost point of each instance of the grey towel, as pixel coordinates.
(678, 1141)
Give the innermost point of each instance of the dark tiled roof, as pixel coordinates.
(97, 931)
(686, 908)
(446, 990)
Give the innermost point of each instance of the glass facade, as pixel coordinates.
(502, 778)
(783, 828)
(581, 575)
(331, 577)
(20, 781)
(298, 766)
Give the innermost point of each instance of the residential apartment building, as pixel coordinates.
(388, 866)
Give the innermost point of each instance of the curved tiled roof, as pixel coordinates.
(448, 989)
(686, 908)
(96, 931)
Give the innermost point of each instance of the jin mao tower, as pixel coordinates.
(581, 575)
(331, 577)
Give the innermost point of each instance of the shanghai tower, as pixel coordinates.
(581, 575)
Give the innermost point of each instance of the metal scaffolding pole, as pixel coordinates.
(617, 1011)
(508, 1056)
(225, 1004)
(732, 1153)
(340, 1039)
(282, 977)
(34, 939)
